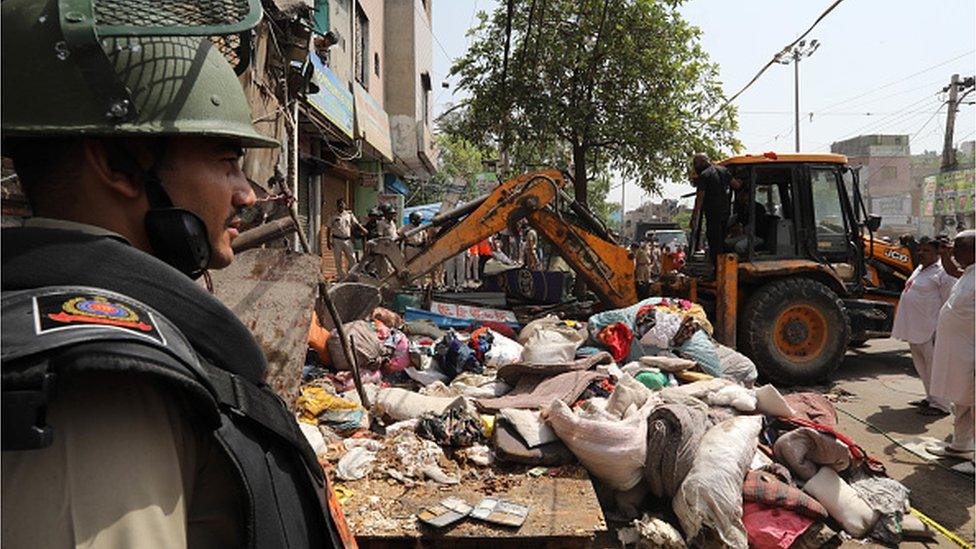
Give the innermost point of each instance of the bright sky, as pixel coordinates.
(880, 68)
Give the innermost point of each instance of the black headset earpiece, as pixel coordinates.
(178, 236)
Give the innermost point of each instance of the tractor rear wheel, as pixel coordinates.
(796, 331)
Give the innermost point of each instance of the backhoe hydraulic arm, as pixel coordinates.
(508, 203)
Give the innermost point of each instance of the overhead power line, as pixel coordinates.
(899, 115)
(898, 81)
(832, 113)
(774, 60)
(788, 130)
(430, 29)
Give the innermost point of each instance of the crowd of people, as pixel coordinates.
(653, 258)
(936, 318)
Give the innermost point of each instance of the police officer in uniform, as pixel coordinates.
(414, 243)
(340, 234)
(134, 408)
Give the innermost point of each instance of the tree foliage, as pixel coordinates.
(460, 160)
(595, 85)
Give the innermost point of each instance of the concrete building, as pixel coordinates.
(651, 212)
(366, 123)
(408, 86)
(886, 178)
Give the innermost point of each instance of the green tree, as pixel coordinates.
(683, 219)
(459, 159)
(595, 85)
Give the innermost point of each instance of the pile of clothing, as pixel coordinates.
(667, 422)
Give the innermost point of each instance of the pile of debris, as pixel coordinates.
(683, 448)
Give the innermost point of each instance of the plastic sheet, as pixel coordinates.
(503, 351)
(736, 396)
(711, 494)
(356, 464)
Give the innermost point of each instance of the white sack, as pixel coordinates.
(314, 438)
(841, 502)
(530, 426)
(612, 451)
(401, 404)
(711, 494)
(628, 392)
(356, 464)
(736, 366)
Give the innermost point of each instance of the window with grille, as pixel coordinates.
(361, 53)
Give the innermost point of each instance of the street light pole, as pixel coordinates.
(796, 99)
(786, 57)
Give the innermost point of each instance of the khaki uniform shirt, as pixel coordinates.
(127, 468)
(416, 240)
(342, 224)
(386, 228)
(643, 260)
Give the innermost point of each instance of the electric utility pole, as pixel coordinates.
(949, 162)
(786, 57)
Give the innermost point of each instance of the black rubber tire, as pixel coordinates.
(758, 321)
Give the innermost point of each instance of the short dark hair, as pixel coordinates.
(927, 241)
(44, 166)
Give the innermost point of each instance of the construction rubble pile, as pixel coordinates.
(666, 421)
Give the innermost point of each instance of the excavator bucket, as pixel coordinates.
(273, 292)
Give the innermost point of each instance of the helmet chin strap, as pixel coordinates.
(177, 236)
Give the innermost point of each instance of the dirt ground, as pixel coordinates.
(881, 380)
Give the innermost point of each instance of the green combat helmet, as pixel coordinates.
(139, 68)
(118, 67)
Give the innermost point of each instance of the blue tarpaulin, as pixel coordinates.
(426, 211)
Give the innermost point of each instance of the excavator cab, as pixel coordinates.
(791, 289)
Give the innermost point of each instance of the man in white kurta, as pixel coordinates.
(953, 362)
(918, 313)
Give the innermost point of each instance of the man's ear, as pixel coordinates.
(97, 155)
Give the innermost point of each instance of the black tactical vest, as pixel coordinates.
(74, 302)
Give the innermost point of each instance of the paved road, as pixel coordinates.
(881, 381)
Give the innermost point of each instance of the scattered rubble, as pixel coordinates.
(661, 416)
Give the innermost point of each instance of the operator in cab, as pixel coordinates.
(135, 411)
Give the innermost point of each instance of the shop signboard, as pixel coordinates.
(333, 100)
(468, 312)
(372, 122)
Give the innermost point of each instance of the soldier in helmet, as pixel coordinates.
(414, 243)
(372, 218)
(161, 431)
(386, 226)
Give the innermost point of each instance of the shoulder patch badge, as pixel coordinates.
(64, 311)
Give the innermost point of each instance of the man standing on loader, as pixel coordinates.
(161, 431)
(714, 181)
